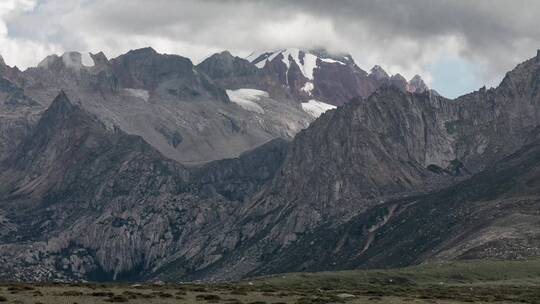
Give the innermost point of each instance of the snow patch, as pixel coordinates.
(294, 53)
(254, 55)
(316, 108)
(247, 99)
(310, 63)
(87, 61)
(308, 87)
(331, 61)
(142, 94)
(261, 64)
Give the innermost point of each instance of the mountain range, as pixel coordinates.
(148, 167)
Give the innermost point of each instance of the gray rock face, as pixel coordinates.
(225, 66)
(81, 198)
(18, 113)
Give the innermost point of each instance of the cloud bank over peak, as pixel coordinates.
(440, 40)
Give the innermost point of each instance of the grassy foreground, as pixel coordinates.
(459, 282)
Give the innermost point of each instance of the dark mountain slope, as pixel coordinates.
(18, 113)
(172, 74)
(393, 146)
(494, 214)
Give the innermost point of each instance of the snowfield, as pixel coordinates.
(331, 61)
(247, 99)
(316, 108)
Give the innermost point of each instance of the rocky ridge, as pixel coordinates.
(81, 198)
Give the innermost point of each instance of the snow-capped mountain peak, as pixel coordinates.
(306, 60)
(327, 77)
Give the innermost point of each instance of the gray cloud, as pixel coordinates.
(491, 36)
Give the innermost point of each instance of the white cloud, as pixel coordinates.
(19, 51)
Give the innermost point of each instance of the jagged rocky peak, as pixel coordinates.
(523, 79)
(148, 58)
(378, 73)
(48, 135)
(61, 109)
(224, 64)
(332, 78)
(100, 60)
(314, 74)
(399, 81)
(417, 85)
(61, 102)
(224, 54)
(145, 68)
(4, 67)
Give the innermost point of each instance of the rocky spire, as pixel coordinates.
(224, 64)
(399, 81)
(417, 85)
(378, 73)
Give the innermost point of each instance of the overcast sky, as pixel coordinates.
(457, 46)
